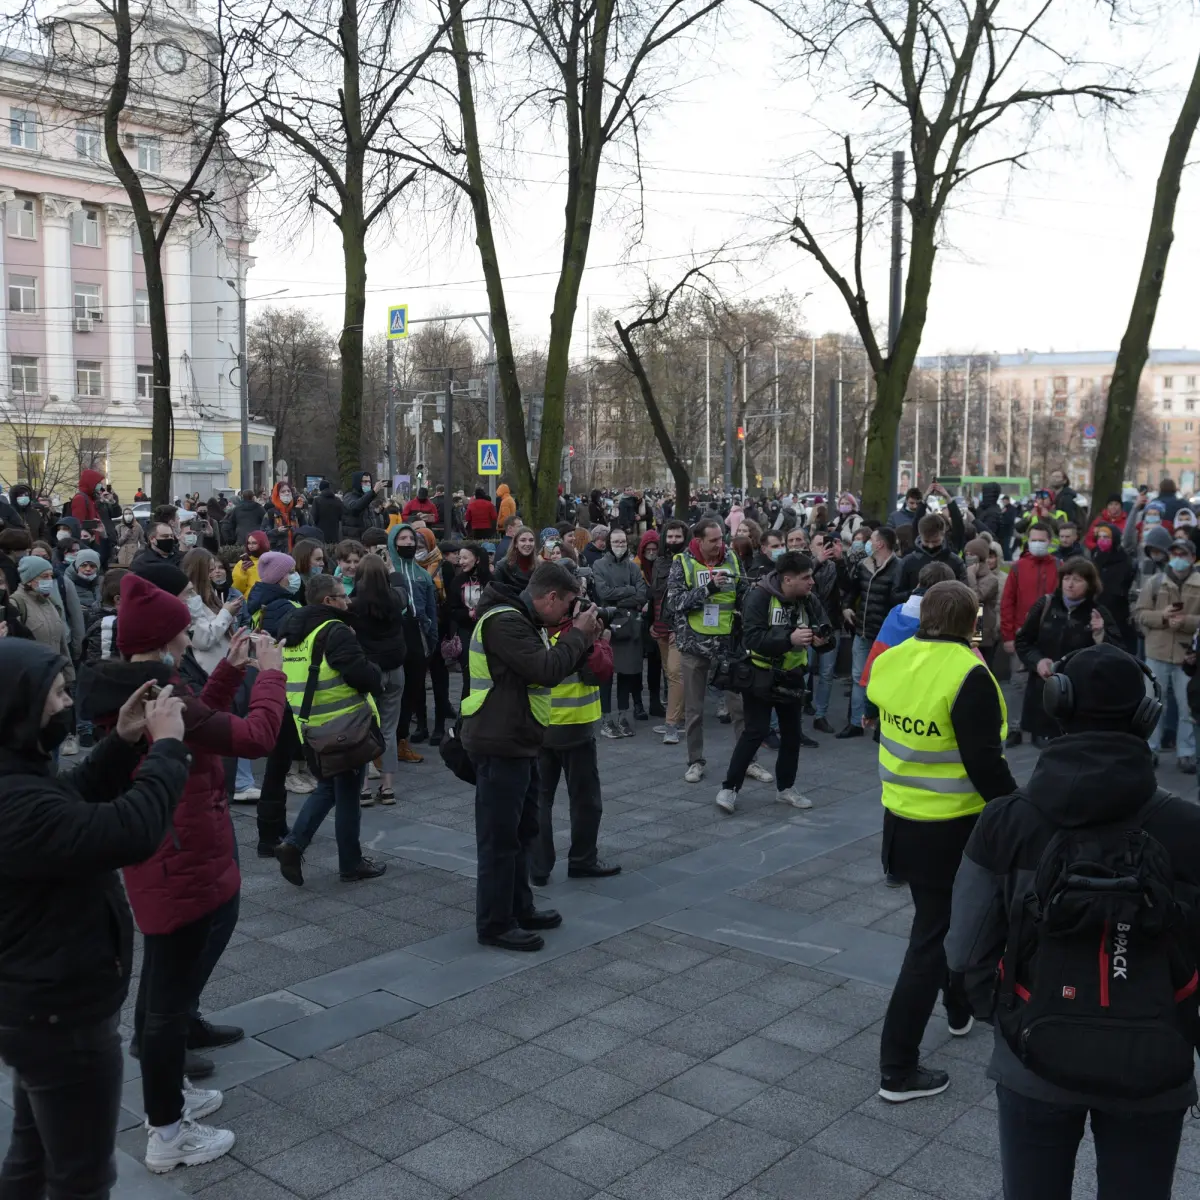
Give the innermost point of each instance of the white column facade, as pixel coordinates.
(177, 281)
(58, 299)
(6, 194)
(122, 350)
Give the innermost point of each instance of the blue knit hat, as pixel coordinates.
(31, 567)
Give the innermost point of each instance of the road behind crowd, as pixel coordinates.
(705, 1025)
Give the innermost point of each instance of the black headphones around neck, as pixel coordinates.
(1059, 700)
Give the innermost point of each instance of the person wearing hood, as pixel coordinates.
(1113, 516)
(83, 576)
(617, 581)
(420, 636)
(481, 516)
(275, 596)
(244, 516)
(1168, 615)
(932, 546)
(83, 503)
(596, 547)
(281, 517)
(65, 925)
(420, 506)
(185, 895)
(245, 570)
(506, 504)
(429, 559)
(985, 583)
(1099, 774)
(130, 539)
(647, 555)
(989, 516)
(778, 619)
(360, 505)
(1070, 618)
(327, 513)
(1185, 526)
(597, 512)
(28, 511)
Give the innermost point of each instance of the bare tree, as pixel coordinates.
(344, 77)
(965, 85)
(1113, 453)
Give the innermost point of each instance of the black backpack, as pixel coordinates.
(1097, 989)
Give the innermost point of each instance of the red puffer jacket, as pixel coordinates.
(194, 870)
(1028, 581)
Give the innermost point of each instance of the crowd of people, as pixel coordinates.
(320, 633)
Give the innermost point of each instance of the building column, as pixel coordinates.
(58, 301)
(6, 194)
(177, 280)
(119, 310)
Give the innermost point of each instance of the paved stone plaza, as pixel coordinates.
(703, 1026)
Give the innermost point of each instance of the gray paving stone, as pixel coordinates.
(391, 1130)
(978, 1130)
(646, 1064)
(268, 1129)
(582, 996)
(596, 1155)
(245, 1185)
(458, 1160)
(658, 1120)
(524, 1020)
(761, 1058)
(635, 1014)
(404, 1070)
(863, 1142)
(786, 1115)
(583, 1039)
(807, 1173)
(318, 1165)
(590, 1092)
(528, 1179)
(321, 1031)
(833, 1083)
(737, 1152)
(951, 1173)
(698, 1033)
(294, 1077)
(360, 1050)
(713, 1088)
(388, 1182)
(669, 1178)
(528, 1123)
(528, 1066)
(465, 1096)
(336, 1100)
(265, 1012)
(808, 1031)
(469, 1043)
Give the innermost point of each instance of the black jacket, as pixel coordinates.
(327, 515)
(989, 515)
(460, 613)
(66, 932)
(517, 658)
(916, 560)
(151, 557)
(241, 520)
(1080, 779)
(342, 650)
(759, 566)
(769, 641)
(382, 641)
(1117, 574)
(356, 509)
(879, 592)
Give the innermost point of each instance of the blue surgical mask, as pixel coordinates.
(69, 557)
(293, 582)
(316, 569)
(23, 501)
(777, 552)
(45, 586)
(1179, 564)
(168, 660)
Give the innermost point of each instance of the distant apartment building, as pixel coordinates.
(75, 375)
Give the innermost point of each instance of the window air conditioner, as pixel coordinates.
(96, 316)
(130, 140)
(83, 324)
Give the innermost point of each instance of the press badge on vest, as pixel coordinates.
(712, 616)
(702, 578)
(778, 616)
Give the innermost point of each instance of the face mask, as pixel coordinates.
(407, 552)
(88, 576)
(1103, 543)
(166, 545)
(315, 569)
(45, 586)
(1039, 549)
(23, 501)
(292, 583)
(285, 497)
(674, 547)
(168, 659)
(1178, 564)
(189, 539)
(1153, 518)
(219, 579)
(63, 535)
(778, 552)
(845, 508)
(55, 731)
(619, 554)
(69, 557)
(128, 518)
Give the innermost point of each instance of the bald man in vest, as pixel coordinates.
(942, 724)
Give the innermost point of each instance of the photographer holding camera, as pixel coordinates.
(781, 623)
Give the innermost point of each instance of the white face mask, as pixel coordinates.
(1039, 549)
(619, 552)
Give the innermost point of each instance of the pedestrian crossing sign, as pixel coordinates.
(489, 456)
(398, 321)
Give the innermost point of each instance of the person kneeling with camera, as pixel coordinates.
(781, 623)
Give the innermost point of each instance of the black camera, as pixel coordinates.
(608, 615)
(822, 632)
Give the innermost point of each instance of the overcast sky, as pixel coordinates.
(1043, 259)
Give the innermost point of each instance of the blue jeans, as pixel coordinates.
(822, 669)
(858, 662)
(1171, 678)
(341, 793)
(245, 775)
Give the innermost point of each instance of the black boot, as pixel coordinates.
(656, 708)
(438, 733)
(639, 713)
(420, 734)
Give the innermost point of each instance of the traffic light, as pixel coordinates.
(741, 433)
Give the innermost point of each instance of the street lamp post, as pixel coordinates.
(244, 380)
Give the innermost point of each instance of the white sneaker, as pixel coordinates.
(962, 1030)
(670, 736)
(372, 771)
(609, 729)
(794, 798)
(760, 773)
(300, 784)
(192, 1145)
(70, 745)
(694, 773)
(199, 1102)
(247, 795)
(727, 800)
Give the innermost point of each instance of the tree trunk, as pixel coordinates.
(1135, 345)
(350, 346)
(683, 483)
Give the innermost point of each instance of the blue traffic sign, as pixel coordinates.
(489, 456)
(1089, 431)
(398, 321)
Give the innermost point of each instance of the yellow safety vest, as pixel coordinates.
(481, 675)
(795, 657)
(573, 702)
(697, 575)
(333, 697)
(914, 685)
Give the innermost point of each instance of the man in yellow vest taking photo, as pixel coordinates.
(513, 667)
(942, 724)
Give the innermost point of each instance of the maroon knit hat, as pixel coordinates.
(149, 617)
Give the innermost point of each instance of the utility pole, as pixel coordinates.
(812, 413)
(491, 396)
(1008, 451)
(832, 443)
(745, 406)
(777, 420)
(839, 431)
(448, 442)
(728, 480)
(916, 471)
(1029, 437)
(937, 461)
(966, 458)
(707, 414)
(894, 300)
(391, 415)
(987, 422)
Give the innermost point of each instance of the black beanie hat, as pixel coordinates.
(1108, 684)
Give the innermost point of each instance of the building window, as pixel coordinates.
(31, 458)
(1166, 426)
(1060, 385)
(1187, 427)
(1190, 405)
(22, 128)
(24, 374)
(1167, 404)
(22, 293)
(87, 301)
(145, 384)
(1168, 382)
(141, 307)
(87, 142)
(149, 154)
(88, 379)
(85, 227)
(147, 447)
(1191, 383)
(19, 218)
